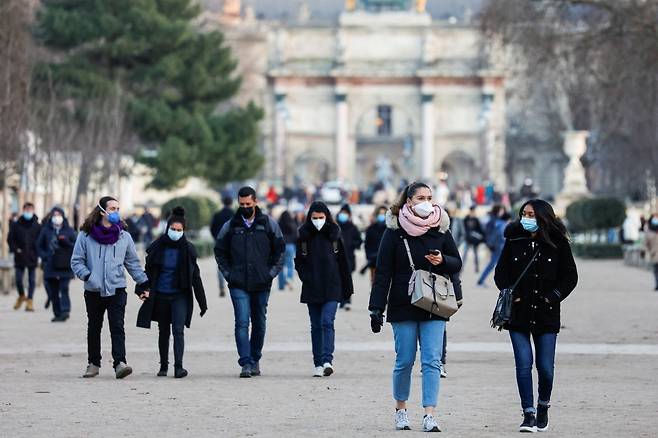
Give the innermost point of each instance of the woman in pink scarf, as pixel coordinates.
(414, 218)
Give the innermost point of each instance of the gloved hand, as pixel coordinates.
(376, 320)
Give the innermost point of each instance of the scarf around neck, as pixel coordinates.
(417, 226)
(105, 236)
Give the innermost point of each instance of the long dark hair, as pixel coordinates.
(550, 226)
(407, 193)
(95, 216)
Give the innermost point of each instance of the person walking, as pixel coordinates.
(323, 267)
(413, 220)
(249, 252)
(102, 250)
(218, 220)
(55, 248)
(22, 240)
(290, 234)
(537, 239)
(651, 243)
(352, 241)
(495, 239)
(172, 269)
(474, 236)
(374, 234)
(459, 294)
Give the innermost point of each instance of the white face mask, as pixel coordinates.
(57, 220)
(423, 209)
(318, 223)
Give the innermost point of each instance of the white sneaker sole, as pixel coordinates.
(545, 429)
(526, 429)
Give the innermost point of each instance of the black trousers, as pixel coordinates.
(116, 310)
(171, 312)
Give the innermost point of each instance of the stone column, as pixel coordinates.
(427, 146)
(342, 137)
(280, 116)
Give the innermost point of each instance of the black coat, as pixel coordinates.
(22, 240)
(473, 230)
(374, 234)
(322, 265)
(551, 278)
(352, 240)
(55, 249)
(190, 278)
(390, 291)
(250, 257)
(219, 219)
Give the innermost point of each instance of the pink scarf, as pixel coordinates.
(417, 226)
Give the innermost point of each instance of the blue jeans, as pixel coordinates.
(58, 292)
(323, 334)
(429, 335)
(19, 274)
(495, 256)
(545, 357)
(288, 270)
(249, 306)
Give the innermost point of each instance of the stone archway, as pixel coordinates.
(311, 169)
(461, 169)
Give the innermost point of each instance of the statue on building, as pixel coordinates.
(231, 11)
(420, 6)
(304, 13)
(350, 5)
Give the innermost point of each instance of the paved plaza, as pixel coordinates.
(606, 376)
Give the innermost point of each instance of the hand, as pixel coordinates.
(203, 312)
(61, 237)
(376, 321)
(435, 259)
(144, 295)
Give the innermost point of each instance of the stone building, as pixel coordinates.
(381, 91)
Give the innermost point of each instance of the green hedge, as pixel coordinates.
(205, 248)
(598, 250)
(595, 214)
(198, 210)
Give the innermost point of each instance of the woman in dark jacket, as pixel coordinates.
(322, 266)
(540, 236)
(374, 234)
(352, 240)
(55, 248)
(414, 218)
(289, 230)
(171, 266)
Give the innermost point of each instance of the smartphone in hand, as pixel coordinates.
(435, 252)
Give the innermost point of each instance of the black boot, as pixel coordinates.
(529, 422)
(163, 369)
(542, 417)
(179, 372)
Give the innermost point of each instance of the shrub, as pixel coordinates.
(198, 210)
(596, 214)
(598, 250)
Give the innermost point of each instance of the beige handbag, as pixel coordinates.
(431, 292)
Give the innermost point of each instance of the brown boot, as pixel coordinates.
(19, 302)
(29, 307)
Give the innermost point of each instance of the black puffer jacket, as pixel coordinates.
(391, 286)
(374, 234)
(550, 279)
(322, 265)
(22, 240)
(352, 240)
(250, 257)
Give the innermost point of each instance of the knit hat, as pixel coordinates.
(177, 215)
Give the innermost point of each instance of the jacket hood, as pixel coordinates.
(393, 223)
(308, 231)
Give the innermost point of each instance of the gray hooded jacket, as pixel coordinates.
(101, 267)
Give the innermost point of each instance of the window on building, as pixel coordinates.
(384, 120)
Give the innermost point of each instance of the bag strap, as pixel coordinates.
(525, 271)
(411, 260)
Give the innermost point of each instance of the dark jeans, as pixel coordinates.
(172, 312)
(495, 256)
(249, 306)
(20, 273)
(474, 248)
(655, 274)
(323, 334)
(545, 358)
(58, 292)
(116, 309)
(444, 355)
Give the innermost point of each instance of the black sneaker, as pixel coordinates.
(245, 373)
(542, 418)
(180, 372)
(529, 423)
(255, 370)
(163, 370)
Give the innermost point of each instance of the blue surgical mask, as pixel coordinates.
(529, 224)
(174, 235)
(381, 217)
(343, 217)
(28, 215)
(654, 221)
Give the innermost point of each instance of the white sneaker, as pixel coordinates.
(401, 420)
(430, 424)
(319, 372)
(328, 369)
(444, 373)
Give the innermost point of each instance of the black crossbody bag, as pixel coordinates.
(503, 311)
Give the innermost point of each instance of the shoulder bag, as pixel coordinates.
(502, 313)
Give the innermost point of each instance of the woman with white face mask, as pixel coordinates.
(171, 265)
(417, 221)
(322, 265)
